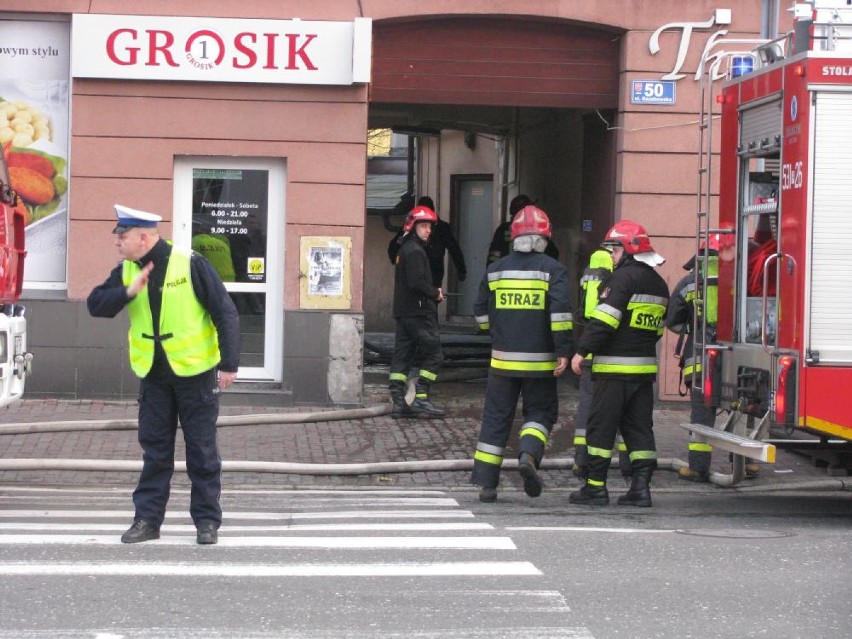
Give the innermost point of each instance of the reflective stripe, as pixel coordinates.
(534, 429)
(527, 357)
(511, 361)
(606, 453)
(427, 375)
(607, 314)
(485, 326)
(621, 446)
(518, 275)
(579, 440)
(490, 448)
(595, 482)
(649, 299)
(399, 377)
(629, 365)
(643, 454)
(522, 366)
(699, 448)
(561, 322)
(485, 458)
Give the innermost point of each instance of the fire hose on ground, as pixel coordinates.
(293, 468)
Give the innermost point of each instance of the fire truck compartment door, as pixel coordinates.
(830, 307)
(761, 127)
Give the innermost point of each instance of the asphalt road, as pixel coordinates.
(376, 564)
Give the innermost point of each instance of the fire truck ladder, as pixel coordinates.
(740, 438)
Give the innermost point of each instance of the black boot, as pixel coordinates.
(401, 409)
(527, 469)
(421, 406)
(590, 496)
(639, 493)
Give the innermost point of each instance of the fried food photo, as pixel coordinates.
(34, 187)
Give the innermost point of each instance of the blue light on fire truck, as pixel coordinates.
(741, 65)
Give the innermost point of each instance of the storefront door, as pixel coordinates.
(231, 211)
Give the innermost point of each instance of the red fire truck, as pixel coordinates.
(781, 364)
(15, 361)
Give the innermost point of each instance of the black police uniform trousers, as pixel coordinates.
(626, 405)
(540, 410)
(195, 401)
(417, 340)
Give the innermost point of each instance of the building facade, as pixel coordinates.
(248, 128)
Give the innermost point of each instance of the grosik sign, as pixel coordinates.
(221, 49)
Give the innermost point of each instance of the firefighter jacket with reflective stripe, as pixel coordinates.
(623, 330)
(186, 332)
(524, 302)
(413, 292)
(685, 309)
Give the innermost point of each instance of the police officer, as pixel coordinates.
(622, 334)
(524, 302)
(692, 308)
(184, 344)
(598, 270)
(501, 243)
(415, 309)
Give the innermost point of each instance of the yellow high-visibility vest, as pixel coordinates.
(187, 332)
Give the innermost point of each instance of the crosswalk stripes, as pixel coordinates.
(392, 536)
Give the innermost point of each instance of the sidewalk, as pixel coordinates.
(349, 441)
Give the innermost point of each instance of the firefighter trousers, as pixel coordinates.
(581, 453)
(699, 453)
(540, 409)
(195, 401)
(627, 406)
(417, 339)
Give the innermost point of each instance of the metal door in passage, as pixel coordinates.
(472, 214)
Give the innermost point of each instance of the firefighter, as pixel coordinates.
(501, 242)
(685, 310)
(622, 334)
(598, 270)
(524, 303)
(184, 345)
(415, 308)
(441, 241)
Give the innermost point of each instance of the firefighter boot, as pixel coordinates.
(527, 469)
(684, 472)
(487, 494)
(400, 409)
(699, 464)
(639, 493)
(421, 406)
(590, 496)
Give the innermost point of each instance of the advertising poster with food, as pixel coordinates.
(34, 100)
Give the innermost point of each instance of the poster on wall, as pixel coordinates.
(230, 209)
(34, 87)
(324, 272)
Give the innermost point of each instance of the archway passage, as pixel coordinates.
(495, 62)
(518, 103)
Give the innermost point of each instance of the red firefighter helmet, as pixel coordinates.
(630, 235)
(531, 220)
(419, 214)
